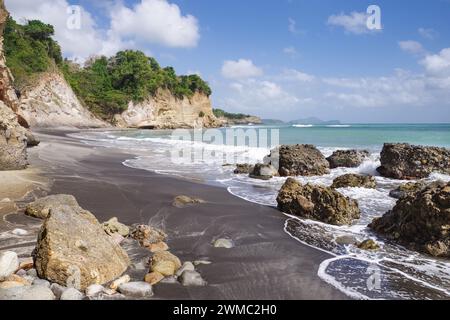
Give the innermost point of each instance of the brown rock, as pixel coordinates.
(317, 203)
(73, 250)
(148, 235)
(185, 201)
(243, 168)
(41, 207)
(420, 220)
(165, 263)
(368, 245)
(404, 161)
(302, 160)
(347, 158)
(354, 181)
(159, 246)
(153, 278)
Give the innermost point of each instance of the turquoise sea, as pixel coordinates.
(390, 273)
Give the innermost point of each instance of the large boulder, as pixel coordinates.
(317, 203)
(354, 181)
(263, 172)
(408, 162)
(347, 158)
(302, 160)
(420, 221)
(41, 207)
(74, 251)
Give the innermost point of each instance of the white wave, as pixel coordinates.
(338, 126)
(303, 125)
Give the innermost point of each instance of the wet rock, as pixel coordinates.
(41, 207)
(71, 294)
(346, 240)
(347, 158)
(192, 278)
(113, 226)
(302, 160)
(223, 243)
(354, 181)
(406, 189)
(73, 250)
(420, 221)
(263, 172)
(153, 278)
(243, 168)
(185, 201)
(165, 263)
(21, 272)
(408, 162)
(27, 293)
(136, 289)
(116, 283)
(148, 235)
(9, 263)
(159, 246)
(369, 244)
(317, 203)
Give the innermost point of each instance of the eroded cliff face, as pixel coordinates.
(13, 154)
(51, 102)
(165, 111)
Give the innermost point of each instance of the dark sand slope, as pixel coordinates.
(265, 264)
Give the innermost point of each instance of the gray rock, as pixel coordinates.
(136, 289)
(223, 243)
(302, 160)
(187, 266)
(27, 293)
(244, 168)
(347, 158)
(71, 294)
(32, 273)
(21, 273)
(9, 263)
(41, 207)
(57, 290)
(94, 290)
(41, 282)
(192, 278)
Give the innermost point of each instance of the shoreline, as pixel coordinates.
(266, 263)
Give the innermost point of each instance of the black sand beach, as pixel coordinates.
(265, 263)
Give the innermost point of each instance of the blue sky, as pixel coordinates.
(282, 59)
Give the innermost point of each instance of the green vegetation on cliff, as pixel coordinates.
(104, 85)
(30, 49)
(219, 113)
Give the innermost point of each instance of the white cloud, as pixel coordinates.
(355, 22)
(255, 94)
(438, 64)
(296, 76)
(155, 22)
(429, 34)
(148, 22)
(75, 43)
(412, 47)
(240, 69)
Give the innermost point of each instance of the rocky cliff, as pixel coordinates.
(12, 135)
(51, 102)
(244, 121)
(165, 111)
